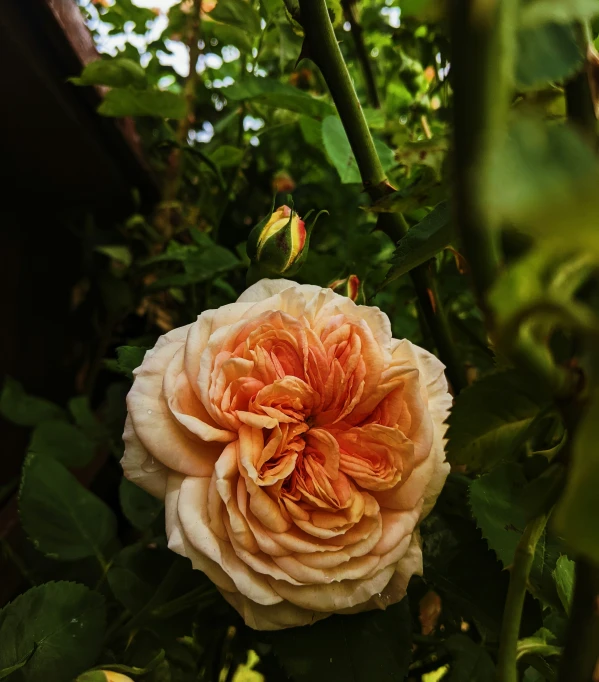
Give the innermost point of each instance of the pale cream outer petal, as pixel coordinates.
(276, 617)
(139, 466)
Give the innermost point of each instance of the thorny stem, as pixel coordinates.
(510, 627)
(323, 50)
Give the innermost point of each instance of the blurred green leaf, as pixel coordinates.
(56, 629)
(64, 442)
(63, 519)
(484, 427)
(121, 254)
(226, 156)
(85, 419)
(579, 502)
(128, 359)
(116, 73)
(140, 508)
(564, 580)
(130, 102)
(535, 12)
(23, 409)
(546, 52)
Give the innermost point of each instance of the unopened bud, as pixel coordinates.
(348, 286)
(277, 242)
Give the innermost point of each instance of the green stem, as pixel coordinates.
(581, 653)
(324, 51)
(512, 615)
(483, 45)
(580, 107)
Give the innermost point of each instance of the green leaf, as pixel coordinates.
(115, 73)
(129, 102)
(332, 650)
(422, 242)
(230, 35)
(424, 191)
(63, 442)
(140, 508)
(311, 131)
(579, 503)
(63, 519)
(564, 580)
(534, 12)
(463, 570)
(275, 94)
(429, 153)
(201, 261)
(86, 420)
(238, 13)
(226, 156)
(500, 504)
(339, 151)
(128, 359)
(56, 627)
(121, 254)
(547, 52)
(486, 428)
(538, 166)
(23, 409)
(494, 499)
(471, 662)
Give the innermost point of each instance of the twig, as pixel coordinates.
(349, 11)
(510, 627)
(172, 183)
(323, 50)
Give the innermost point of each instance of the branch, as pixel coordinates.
(512, 615)
(323, 50)
(483, 45)
(581, 653)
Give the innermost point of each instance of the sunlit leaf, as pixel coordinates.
(117, 73)
(129, 102)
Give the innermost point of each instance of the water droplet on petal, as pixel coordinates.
(149, 411)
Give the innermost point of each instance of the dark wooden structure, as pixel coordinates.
(60, 162)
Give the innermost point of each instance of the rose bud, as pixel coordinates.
(278, 245)
(348, 286)
(283, 182)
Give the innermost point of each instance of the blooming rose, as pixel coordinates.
(296, 445)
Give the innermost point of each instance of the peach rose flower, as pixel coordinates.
(296, 445)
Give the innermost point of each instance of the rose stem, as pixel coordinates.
(512, 615)
(581, 652)
(323, 50)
